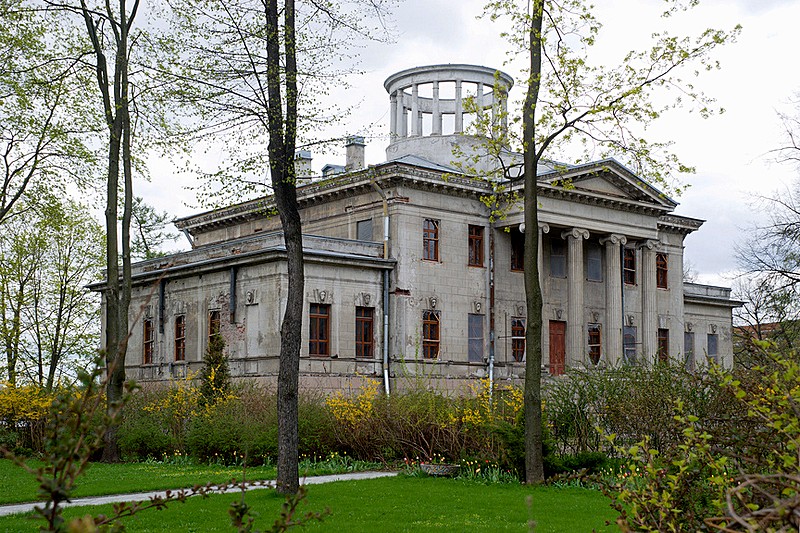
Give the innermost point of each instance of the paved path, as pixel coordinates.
(144, 496)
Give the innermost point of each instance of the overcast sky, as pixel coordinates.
(759, 76)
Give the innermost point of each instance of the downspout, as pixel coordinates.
(188, 237)
(491, 309)
(232, 303)
(385, 276)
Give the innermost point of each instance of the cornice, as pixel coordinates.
(679, 224)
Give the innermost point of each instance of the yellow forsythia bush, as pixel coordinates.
(350, 411)
(23, 403)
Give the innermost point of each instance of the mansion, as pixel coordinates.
(408, 274)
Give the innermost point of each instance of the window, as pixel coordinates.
(430, 334)
(712, 347)
(149, 342)
(476, 246)
(688, 350)
(629, 345)
(558, 258)
(629, 266)
(365, 343)
(663, 345)
(430, 240)
(180, 338)
(319, 329)
(594, 262)
(213, 323)
(517, 250)
(518, 339)
(661, 271)
(364, 230)
(475, 336)
(595, 343)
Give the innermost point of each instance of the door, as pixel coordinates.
(558, 347)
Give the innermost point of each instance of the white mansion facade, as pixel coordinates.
(407, 274)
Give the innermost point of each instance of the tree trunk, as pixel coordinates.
(282, 135)
(534, 470)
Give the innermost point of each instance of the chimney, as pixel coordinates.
(354, 159)
(302, 164)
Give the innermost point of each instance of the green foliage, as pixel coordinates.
(215, 377)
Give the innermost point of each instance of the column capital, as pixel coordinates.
(575, 233)
(650, 244)
(544, 227)
(614, 238)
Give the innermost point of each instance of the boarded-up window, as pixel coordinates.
(713, 354)
(558, 258)
(594, 262)
(688, 350)
(364, 230)
(629, 345)
(475, 335)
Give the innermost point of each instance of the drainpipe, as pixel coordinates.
(385, 287)
(491, 309)
(188, 237)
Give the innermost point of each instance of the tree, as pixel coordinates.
(42, 135)
(215, 376)
(48, 319)
(149, 230)
(571, 103)
(254, 68)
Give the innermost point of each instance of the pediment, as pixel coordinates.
(608, 178)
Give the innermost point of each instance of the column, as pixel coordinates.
(504, 110)
(459, 109)
(436, 128)
(543, 228)
(400, 121)
(392, 117)
(415, 110)
(614, 321)
(479, 99)
(576, 329)
(649, 300)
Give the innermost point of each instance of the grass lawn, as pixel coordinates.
(386, 505)
(100, 478)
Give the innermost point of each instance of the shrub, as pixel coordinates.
(215, 377)
(23, 414)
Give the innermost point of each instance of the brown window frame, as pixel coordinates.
(518, 339)
(595, 342)
(319, 330)
(517, 251)
(214, 323)
(475, 245)
(662, 271)
(663, 345)
(180, 338)
(430, 240)
(629, 266)
(431, 334)
(365, 332)
(149, 341)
